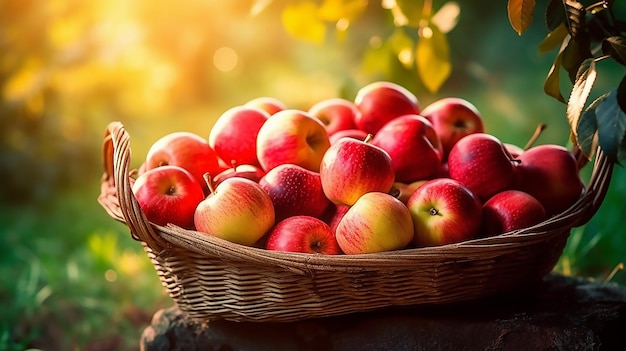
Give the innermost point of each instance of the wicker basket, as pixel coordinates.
(210, 278)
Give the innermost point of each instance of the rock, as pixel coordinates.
(561, 313)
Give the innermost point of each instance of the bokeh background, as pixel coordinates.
(71, 278)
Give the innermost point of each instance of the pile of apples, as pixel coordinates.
(352, 177)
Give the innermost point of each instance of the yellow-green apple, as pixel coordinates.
(237, 210)
(402, 191)
(292, 136)
(550, 174)
(233, 136)
(444, 211)
(482, 163)
(268, 104)
(187, 150)
(303, 234)
(295, 190)
(168, 194)
(351, 168)
(413, 145)
(349, 133)
(252, 172)
(376, 222)
(453, 118)
(336, 114)
(510, 210)
(380, 102)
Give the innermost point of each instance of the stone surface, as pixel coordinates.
(559, 314)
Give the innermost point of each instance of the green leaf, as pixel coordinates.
(553, 39)
(611, 126)
(410, 10)
(447, 17)
(615, 47)
(402, 46)
(586, 131)
(299, 22)
(552, 85)
(335, 10)
(555, 14)
(433, 57)
(585, 79)
(520, 14)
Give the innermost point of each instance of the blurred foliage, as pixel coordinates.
(72, 277)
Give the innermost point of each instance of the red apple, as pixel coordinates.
(338, 212)
(413, 145)
(336, 114)
(444, 211)
(292, 136)
(348, 133)
(380, 102)
(238, 210)
(550, 174)
(453, 118)
(295, 190)
(268, 104)
(252, 172)
(187, 150)
(233, 136)
(168, 194)
(351, 168)
(376, 222)
(482, 163)
(303, 234)
(510, 210)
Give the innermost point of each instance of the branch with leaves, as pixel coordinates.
(586, 35)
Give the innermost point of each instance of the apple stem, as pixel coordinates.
(368, 138)
(540, 128)
(209, 182)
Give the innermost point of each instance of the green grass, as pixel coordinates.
(73, 278)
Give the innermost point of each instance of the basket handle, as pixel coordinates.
(116, 163)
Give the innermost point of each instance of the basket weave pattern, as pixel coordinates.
(210, 278)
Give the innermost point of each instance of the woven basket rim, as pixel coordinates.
(116, 191)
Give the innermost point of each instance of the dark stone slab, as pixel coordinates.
(561, 313)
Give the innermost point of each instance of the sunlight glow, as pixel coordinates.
(225, 59)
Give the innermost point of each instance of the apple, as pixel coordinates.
(252, 172)
(233, 136)
(453, 118)
(514, 150)
(269, 104)
(292, 136)
(380, 102)
(510, 210)
(337, 214)
(348, 133)
(376, 222)
(187, 150)
(295, 190)
(303, 234)
(550, 174)
(336, 114)
(351, 168)
(444, 211)
(482, 163)
(402, 191)
(168, 194)
(237, 210)
(413, 145)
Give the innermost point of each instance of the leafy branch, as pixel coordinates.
(587, 35)
(418, 41)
